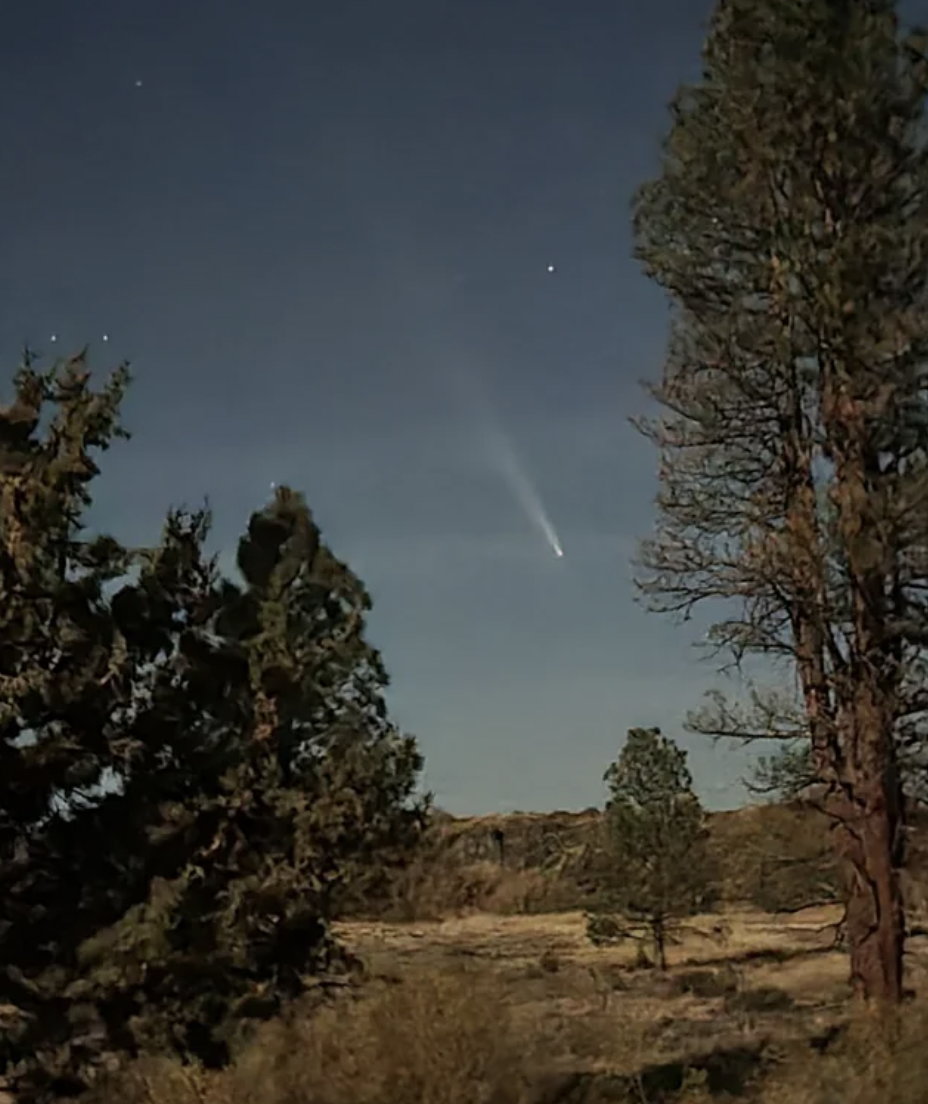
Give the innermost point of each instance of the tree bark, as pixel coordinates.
(869, 803)
(855, 757)
(870, 833)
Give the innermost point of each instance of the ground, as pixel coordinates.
(481, 987)
(740, 985)
(522, 1009)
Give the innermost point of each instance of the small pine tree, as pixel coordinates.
(659, 866)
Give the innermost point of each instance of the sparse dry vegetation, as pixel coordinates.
(522, 1008)
(441, 1036)
(469, 997)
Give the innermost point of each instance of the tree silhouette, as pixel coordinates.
(194, 768)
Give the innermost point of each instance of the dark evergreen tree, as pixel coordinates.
(314, 787)
(64, 680)
(194, 768)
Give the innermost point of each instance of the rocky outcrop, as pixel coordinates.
(524, 841)
(774, 854)
(770, 856)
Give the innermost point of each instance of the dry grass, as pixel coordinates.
(439, 1038)
(873, 1063)
(487, 1008)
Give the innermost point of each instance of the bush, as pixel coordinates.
(877, 1061)
(428, 1040)
(707, 983)
(437, 884)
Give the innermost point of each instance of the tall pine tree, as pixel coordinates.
(789, 224)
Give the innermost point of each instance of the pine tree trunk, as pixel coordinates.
(867, 814)
(869, 794)
(875, 919)
(870, 835)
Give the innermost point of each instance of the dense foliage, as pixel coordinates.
(194, 768)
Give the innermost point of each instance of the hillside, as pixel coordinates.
(774, 845)
(769, 856)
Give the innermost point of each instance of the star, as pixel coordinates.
(551, 268)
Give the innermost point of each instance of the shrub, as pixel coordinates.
(428, 1040)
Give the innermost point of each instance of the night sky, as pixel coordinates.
(321, 233)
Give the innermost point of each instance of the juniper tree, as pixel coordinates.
(62, 666)
(788, 225)
(658, 868)
(64, 676)
(192, 767)
(316, 788)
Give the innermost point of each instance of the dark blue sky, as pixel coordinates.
(320, 232)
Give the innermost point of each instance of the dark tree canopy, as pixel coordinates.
(789, 224)
(659, 868)
(195, 768)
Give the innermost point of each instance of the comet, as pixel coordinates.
(446, 350)
(502, 453)
(514, 473)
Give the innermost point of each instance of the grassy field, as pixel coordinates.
(496, 1009)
